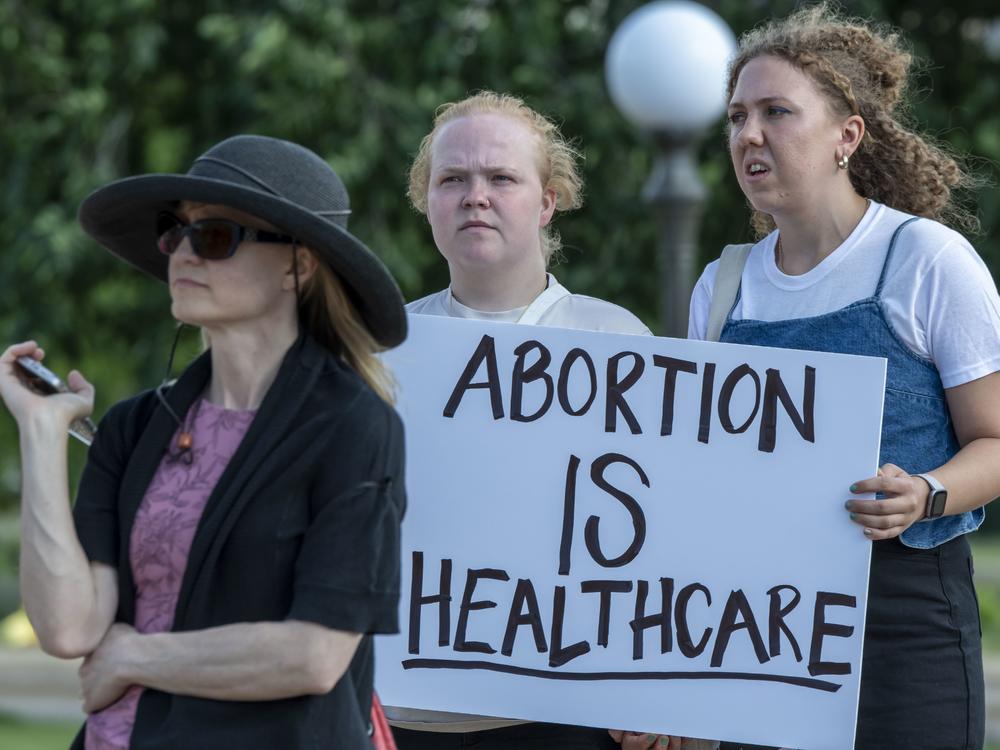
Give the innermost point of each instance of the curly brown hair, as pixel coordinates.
(557, 166)
(864, 69)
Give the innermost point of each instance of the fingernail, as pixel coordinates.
(854, 488)
(847, 504)
(664, 741)
(650, 737)
(868, 532)
(854, 516)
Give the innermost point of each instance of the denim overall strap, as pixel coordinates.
(888, 256)
(917, 433)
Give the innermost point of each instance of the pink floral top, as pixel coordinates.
(161, 540)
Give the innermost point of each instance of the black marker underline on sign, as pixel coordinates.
(806, 682)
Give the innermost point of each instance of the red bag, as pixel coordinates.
(382, 734)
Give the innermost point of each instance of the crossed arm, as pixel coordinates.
(241, 662)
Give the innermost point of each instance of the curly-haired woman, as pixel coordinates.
(857, 257)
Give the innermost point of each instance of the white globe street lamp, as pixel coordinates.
(666, 72)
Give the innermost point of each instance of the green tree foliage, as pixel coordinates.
(97, 89)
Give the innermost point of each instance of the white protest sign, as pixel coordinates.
(632, 532)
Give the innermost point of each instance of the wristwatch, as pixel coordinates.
(937, 496)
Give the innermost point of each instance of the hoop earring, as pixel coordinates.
(842, 161)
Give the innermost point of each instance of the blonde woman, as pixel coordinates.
(490, 177)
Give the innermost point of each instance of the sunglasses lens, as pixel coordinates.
(168, 233)
(214, 240)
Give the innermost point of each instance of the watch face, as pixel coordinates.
(936, 503)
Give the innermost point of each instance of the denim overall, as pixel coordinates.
(922, 674)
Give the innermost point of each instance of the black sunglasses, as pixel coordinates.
(211, 239)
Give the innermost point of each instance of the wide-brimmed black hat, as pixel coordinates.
(282, 183)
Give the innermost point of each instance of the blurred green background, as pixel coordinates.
(93, 90)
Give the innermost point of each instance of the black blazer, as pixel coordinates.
(303, 524)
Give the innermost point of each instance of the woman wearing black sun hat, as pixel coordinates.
(235, 537)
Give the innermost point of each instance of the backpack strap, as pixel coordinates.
(727, 286)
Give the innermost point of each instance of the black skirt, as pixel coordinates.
(922, 673)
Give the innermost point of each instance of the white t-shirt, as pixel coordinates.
(555, 307)
(938, 296)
